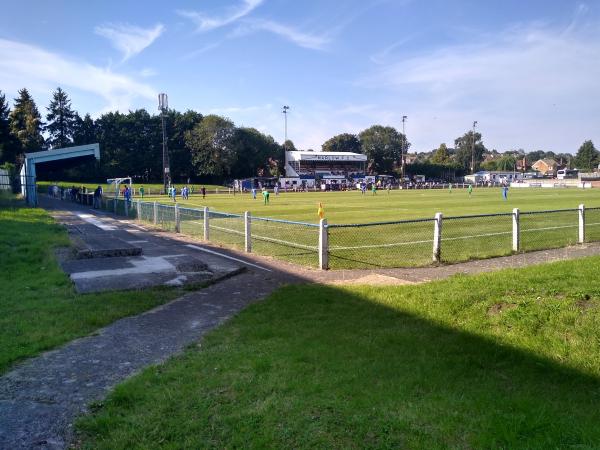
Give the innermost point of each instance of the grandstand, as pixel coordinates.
(308, 167)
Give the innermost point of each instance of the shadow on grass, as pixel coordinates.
(319, 366)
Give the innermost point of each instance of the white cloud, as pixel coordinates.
(248, 25)
(129, 39)
(24, 65)
(533, 86)
(206, 23)
(302, 39)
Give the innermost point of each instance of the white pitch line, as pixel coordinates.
(92, 220)
(195, 247)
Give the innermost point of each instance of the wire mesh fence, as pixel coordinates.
(165, 217)
(476, 237)
(386, 244)
(549, 229)
(227, 229)
(592, 224)
(406, 243)
(295, 242)
(191, 222)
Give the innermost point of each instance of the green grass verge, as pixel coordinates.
(39, 308)
(502, 360)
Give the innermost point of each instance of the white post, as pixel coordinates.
(247, 231)
(581, 239)
(177, 219)
(139, 210)
(206, 224)
(437, 237)
(323, 245)
(516, 230)
(155, 214)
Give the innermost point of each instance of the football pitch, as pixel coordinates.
(353, 207)
(390, 229)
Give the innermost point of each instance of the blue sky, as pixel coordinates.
(528, 72)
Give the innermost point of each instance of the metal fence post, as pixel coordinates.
(581, 239)
(437, 237)
(155, 213)
(177, 219)
(323, 245)
(206, 224)
(516, 230)
(115, 205)
(247, 231)
(139, 210)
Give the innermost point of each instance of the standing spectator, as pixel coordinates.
(127, 194)
(97, 197)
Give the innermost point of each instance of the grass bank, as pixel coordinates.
(502, 360)
(39, 308)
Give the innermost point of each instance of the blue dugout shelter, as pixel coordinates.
(28, 174)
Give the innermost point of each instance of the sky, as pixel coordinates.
(527, 71)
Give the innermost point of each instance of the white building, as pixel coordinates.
(305, 167)
(496, 176)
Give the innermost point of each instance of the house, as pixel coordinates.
(546, 166)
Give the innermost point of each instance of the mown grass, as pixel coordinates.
(502, 360)
(393, 245)
(39, 308)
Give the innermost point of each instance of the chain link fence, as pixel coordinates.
(296, 242)
(476, 237)
(406, 243)
(226, 229)
(592, 224)
(549, 229)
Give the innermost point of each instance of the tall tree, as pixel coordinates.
(61, 120)
(289, 146)
(344, 142)
(256, 153)
(441, 155)
(9, 147)
(383, 147)
(468, 149)
(84, 130)
(26, 123)
(212, 145)
(587, 156)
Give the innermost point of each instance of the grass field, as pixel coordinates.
(502, 360)
(39, 308)
(392, 245)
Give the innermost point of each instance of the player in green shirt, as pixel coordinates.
(266, 196)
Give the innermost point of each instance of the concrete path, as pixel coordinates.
(40, 398)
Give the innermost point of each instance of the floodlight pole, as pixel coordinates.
(285, 113)
(163, 105)
(473, 149)
(403, 147)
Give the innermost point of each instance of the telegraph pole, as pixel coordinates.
(163, 105)
(403, 147)
(473, 149)
(285, 113)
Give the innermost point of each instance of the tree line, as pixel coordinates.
(213, 148)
